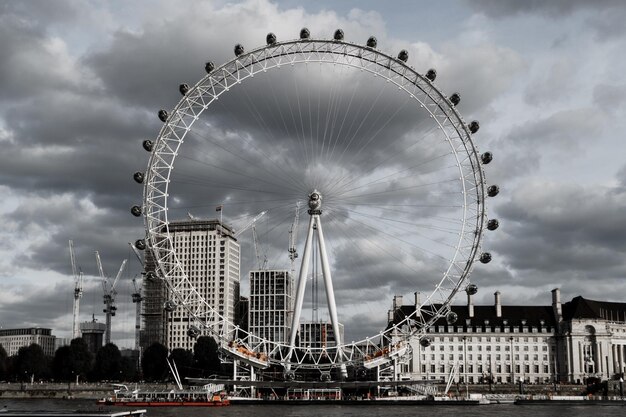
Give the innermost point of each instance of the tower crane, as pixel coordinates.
(137, 299)
(293, 238)
(109, 295)
(252, 224)
(78, 292)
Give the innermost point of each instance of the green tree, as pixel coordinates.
(184, 362)
(206, 357)
(129, 369)
(4, 364)
(153, 362)
(63, 364)
(31, 361)
(108, 363)
(81, 356)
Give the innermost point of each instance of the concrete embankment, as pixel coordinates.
(99, 390)
(91, 391)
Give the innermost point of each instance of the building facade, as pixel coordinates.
(506, 344)
(209, 254)
(93, 334)
(318, 335)
(14, 339)
(271, 304)
(153, 315)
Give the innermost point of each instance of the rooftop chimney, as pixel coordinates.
(498, 304)
(397, 302)
(556, 304)
(470, 305)
(418, 304)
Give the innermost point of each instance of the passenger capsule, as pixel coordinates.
(431, 74)
(151, 276)
(238, 49)
(338, 35)
(372, 42)
(455, 99)
(138, 177)
(270, 39)
(170, 305)
(305, 33)
(474, 126)
(485, 257)
(184, 89)
(486, 157)
(471, 289)
(209, 67)
(147, 145)
(452, 317)
(425, 341)
(325, 377)
(140, 244)
(493, 224)
(136, 210)
(193, 332)
(493, 190)
(403, 55)
(163, 115)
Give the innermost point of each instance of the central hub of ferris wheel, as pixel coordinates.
(315, 203)
(315, 226)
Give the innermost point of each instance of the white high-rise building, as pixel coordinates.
(271, 304)
(209, 253)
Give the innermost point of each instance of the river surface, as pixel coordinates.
(332, 410)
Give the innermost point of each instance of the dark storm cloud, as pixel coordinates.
(565, 230)
(603, 16)
(554, 8)
(528, 146)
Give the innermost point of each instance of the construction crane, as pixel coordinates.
(137, 299)
(78, 292)
(250, 223)
(293, 238)
(109, 295)
(257, 252)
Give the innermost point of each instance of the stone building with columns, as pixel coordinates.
(503, 344)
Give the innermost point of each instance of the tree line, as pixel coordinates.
(75, 361)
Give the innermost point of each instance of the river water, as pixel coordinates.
(333, 410)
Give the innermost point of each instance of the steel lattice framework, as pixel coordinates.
(423, 92)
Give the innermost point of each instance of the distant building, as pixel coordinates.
(13, 339)
(538, 344)
(209, 254)
(318, 335)
(62, 341)
(271, 304)
(93, 334)
(154, 317)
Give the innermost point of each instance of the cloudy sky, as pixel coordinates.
(81, 82)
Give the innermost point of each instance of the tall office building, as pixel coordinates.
(271, 304)
(209, 253)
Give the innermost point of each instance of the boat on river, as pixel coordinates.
(209, 395)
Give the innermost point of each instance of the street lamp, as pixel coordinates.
(521, 385)
(621, 387)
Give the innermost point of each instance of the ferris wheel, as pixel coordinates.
(381, 159)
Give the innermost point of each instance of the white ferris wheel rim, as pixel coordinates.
(302, 51)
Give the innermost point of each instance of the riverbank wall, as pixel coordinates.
(17, 390)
